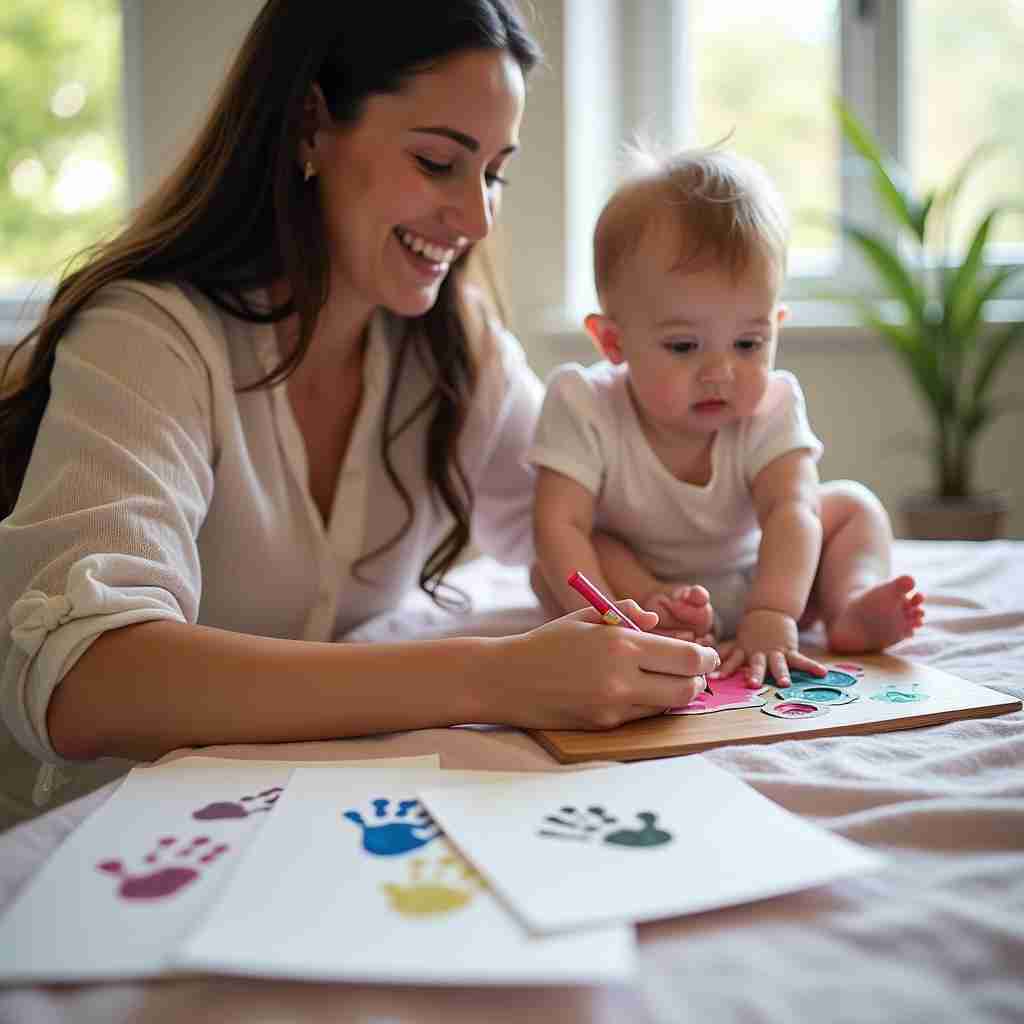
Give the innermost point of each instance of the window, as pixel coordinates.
(949, 113)
(62, 161)
(931, 78)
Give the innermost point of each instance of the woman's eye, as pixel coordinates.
(495, 179)
(749, 344)
(432, 166)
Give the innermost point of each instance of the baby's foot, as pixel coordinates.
(881, 616)
(684, 608)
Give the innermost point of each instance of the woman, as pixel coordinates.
(271, 405)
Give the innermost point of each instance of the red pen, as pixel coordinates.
(612, 615)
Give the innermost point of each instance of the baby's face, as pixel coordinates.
(700, 344)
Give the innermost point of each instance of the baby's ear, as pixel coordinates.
(606, 336)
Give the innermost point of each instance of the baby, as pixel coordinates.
(684, 455)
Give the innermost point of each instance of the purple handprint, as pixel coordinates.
(169, 878)
(233, 809)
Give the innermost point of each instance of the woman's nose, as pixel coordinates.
(472, 214)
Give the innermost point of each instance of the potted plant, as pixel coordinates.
(940, 333)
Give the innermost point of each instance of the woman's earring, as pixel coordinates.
(309, 171)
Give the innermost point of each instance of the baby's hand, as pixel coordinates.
(769, 640)
(684, 612)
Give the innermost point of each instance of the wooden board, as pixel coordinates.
(948, 698)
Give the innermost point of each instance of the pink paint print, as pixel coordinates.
(731, 692)
(169, 877)
(245, 806)
(794, 709)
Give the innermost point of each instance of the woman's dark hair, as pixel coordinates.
(235, 215)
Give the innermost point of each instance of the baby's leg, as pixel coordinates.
(681, 606)
(863, 606)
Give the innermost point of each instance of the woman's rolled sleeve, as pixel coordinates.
(104, 533)
(50, 632)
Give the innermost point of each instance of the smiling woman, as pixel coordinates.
(271, 406)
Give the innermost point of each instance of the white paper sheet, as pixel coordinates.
(118, 896)
(348, 883)
(635, 843)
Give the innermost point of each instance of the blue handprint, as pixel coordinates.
(387, 836)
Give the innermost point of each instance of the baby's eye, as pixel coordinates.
(432, 167)
(494, 179)
(680, 346)
(749, 344)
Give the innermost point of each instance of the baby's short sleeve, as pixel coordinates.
(779, 426)
(568, 436)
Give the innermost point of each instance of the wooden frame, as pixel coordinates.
(948, 698)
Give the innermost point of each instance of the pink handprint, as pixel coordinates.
(169, 878)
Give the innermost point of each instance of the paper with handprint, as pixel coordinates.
(634, 843)
(127, 885)
(352, 880)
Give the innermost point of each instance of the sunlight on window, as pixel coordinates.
(69, 99)
(765, 75)
(966, 89)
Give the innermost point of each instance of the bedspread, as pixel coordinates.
(938, 935)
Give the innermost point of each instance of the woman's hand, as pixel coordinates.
(767, 640)
(578, 673)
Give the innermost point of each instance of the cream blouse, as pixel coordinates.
(157, 491)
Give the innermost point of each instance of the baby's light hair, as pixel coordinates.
(728, 212)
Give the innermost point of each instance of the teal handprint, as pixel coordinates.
(595, 823)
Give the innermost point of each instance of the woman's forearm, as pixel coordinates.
(143, 690)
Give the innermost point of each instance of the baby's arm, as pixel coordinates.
(563, 522)
(785, 495)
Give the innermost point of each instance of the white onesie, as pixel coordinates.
(681, 532)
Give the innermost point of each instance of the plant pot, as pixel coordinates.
(979, 517)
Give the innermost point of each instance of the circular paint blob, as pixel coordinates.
(817, 694)
(794, 709)
(892, 695)
(798, 677)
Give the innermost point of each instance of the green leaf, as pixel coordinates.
(889, 179)
(959, 283)
(982, 152)
(890, 268)
(971, 305)
(921, 359)
(995, 355)
(974, 419)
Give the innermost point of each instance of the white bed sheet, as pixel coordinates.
(937, 936)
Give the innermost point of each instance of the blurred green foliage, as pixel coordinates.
(58, 56)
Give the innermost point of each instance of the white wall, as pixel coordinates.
(187, 47)
(861, 402)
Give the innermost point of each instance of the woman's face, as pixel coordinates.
(406, 189)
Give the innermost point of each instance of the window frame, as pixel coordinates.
(643, 82)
